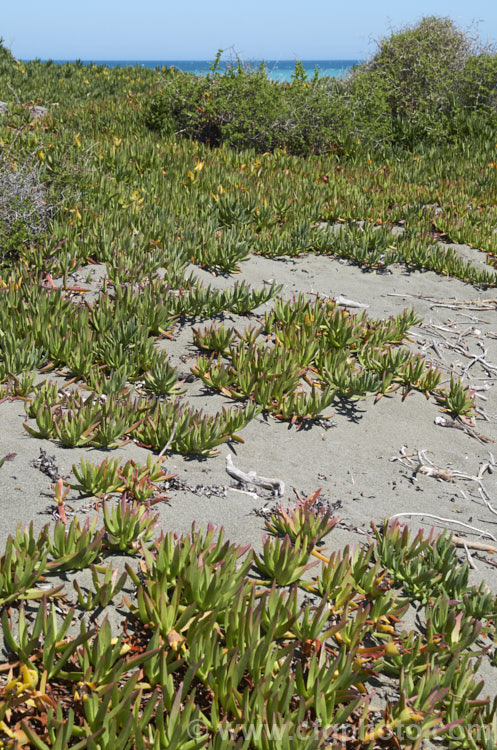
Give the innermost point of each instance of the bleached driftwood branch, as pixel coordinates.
(276, 485)
(345, 302)
(168, 444)
(448, 521)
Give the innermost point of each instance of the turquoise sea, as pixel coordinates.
(277, 70)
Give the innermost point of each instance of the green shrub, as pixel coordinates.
(478, 88)
(419, 82)
(6, 57)
(244, 109)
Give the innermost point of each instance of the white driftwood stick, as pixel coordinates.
(254, 495)
(276, 485)
(168, 444)
(345, 302)
(471, 562)
(486, 499)
(447, 520)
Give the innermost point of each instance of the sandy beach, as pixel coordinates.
(350, 456)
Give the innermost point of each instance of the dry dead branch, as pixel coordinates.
(476, 304)
(458, 425)
(471, 562)
(425, 466)
(481, 546)
(447, 521)
(345, 302)
(276, 485)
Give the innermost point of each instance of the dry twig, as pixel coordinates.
(471, 562)
(460, 542)
(447, 520)
(346, 302)
(477, 304)
(458, 425)
(168, 444)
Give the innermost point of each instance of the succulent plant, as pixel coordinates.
(127, 525)
(457, 399)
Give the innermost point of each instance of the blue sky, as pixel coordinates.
(196, 29)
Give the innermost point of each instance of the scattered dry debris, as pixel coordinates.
(457, 424)
(46, 464)
(204, 490)
(476, 304)
(424, 465)
(460, 542)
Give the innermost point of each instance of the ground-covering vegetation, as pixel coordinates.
(145, 173)
(222, 650)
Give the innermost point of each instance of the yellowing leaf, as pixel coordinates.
(174, 639)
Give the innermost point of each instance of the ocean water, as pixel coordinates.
(277, 70)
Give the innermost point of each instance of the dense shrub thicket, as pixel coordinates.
(244, 109)
(424, 84)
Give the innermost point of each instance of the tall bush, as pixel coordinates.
(420, 80)
(243, 108)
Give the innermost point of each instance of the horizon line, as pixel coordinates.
(191, 59)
